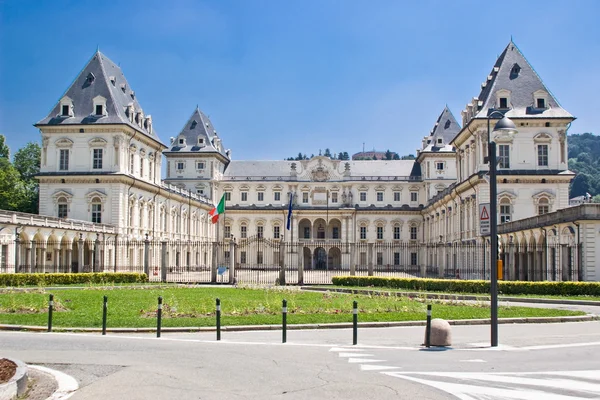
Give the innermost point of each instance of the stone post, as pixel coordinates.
(17, 253)
(33, 265)
(69, 260)
(163, 261)
(56, 260)
(370, 256)
(282, 262)
(300, 254)
(96, 253)
(232, 258)
(147, 256)
(43, 257)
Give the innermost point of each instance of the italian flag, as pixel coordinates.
(218, 210)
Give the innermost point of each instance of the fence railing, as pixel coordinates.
(267, 261)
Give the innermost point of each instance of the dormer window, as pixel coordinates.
(201, 141)
(182, 141)
(540, 99)
(503, 99)
(123, 87)
(541, 103)
(132, 94)
(65, 110)
(99, 109)
(90, 77)
(514, 72)
(440, 141)
(66, 107)
(113, 80)
(193, 125)
(503, 102)
(447, 124)
(99, 106)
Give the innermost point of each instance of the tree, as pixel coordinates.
(388, 154)
(4, 150)
(27, 161)
(327, 153)
(580, 185)
(12, 193)
(396, 156)
(408, 157)
(374, 157)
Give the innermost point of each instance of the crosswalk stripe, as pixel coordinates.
(362, 360)
(376, 367)
(338, 349)
(355, 355)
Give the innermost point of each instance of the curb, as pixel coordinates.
(17, 385)
(241, 328)
(447, 296)
(67, 385)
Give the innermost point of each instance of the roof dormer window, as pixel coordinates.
(66, 107)
(99, 109)
(503, 102)
(193, 125)
(123, 87)
(65, 110)
(440, 141)
(182, 141)
(514, 72)
(99, 106)
(540, 99)
(447, 124)
(503, 99)
(90, 78)
(201, 141)
(541, 103)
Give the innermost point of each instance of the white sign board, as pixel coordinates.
(484, 219)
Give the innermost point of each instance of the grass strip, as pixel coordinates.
(195, 307)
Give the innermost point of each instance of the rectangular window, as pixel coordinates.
(261, 196)
(227, 231)
(335, 232)
(380, 232)
(396, 258)
(64, 160)
(131, 161)
(379, 196)
(181, 141)
(363, 258)
(439, 166)
(541, 103)
(244, 196)
(379, 258)
(276, 196)
(243, 231)
(396, 233)
(504, 214)
(243, 257)
(99, 109)
(305, 197)
(259, 257)
(363, 232)
(260, 231)
(503, 102)
(413, 259)
(414, 197)
(62, 211)
(306, 232)
(396, 196)
(151, 168)
(504, 156)
(200, 165)
(334, 197)
(276, 232)
(543, 209)
(227, 196)
(65, 110)
(413, 233)
(200, 192)
(543, 155)
(180, 166)
(363, 196)
(97, 213)
(141, 167)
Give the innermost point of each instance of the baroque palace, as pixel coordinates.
(102, 163)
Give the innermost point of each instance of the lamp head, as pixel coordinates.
(505, 126)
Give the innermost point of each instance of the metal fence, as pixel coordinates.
(261, 261)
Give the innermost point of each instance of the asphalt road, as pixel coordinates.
(534, 361)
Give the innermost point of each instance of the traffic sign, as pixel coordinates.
(484, 219)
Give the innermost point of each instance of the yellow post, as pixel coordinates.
(500, 270)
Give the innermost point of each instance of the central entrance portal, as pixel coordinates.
(320, 258)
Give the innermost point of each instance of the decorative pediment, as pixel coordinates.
(97, 142)
(380, 222)
(542, 138)
(260, 221)
(260, 187)
(543, 195)
(397, 221)
(397, 188)
(228, 187)
(380, 188)
(507, 193)
(64, 142)
(62, 194)
(320, 173)
(362, 222)
(96, 194)
(414, 222)
(244, 188)
(277, 187)
(363, 188)
(413, 188)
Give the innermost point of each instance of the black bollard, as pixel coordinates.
(218, 319)
(284, 322)
(428, 327)
(104, 312)
(50, 307)
(355, 323)
(159, 316)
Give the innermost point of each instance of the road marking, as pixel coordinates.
(355, 355)
(362, 360)
(376, 367)
(510, 386)
(344, 349)
(475, 360)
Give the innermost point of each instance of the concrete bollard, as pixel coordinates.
(440, 333)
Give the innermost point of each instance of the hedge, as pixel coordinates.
(473, 286)
(70, 279)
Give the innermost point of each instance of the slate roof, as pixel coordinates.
(513, 72)
(404, 168)
(100, 77)
(445, 128)
(198, 126)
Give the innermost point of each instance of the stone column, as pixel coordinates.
(42, 261)
(163, 262)
(33, 265)
(69, 259)
(232, 258)
(56, 260)
(17, 253)
(370, 256)
(80, 253)
(147, 256)
(300, 254)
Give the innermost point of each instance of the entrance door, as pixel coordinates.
(320, 258)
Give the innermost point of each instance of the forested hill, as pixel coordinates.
(584, 159)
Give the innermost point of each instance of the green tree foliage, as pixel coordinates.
(584, 160)
(388, 155)
(327, 153)
(18, 187)
(408, 157)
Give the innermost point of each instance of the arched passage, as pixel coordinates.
(320, 258)
(335, 258)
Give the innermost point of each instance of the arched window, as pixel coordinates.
(96, 210)
(505, 210)
(543, 206)
(243, 230)
(63, 207)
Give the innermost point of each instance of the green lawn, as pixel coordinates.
(482, 295)
(195, 307)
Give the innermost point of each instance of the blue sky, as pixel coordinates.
(282, 77)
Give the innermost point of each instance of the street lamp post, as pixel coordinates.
(507, 126)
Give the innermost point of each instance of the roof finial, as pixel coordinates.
(97, 48)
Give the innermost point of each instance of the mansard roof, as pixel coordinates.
(101, 77)
(445, 128)
(513, 73)
(198, 127)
